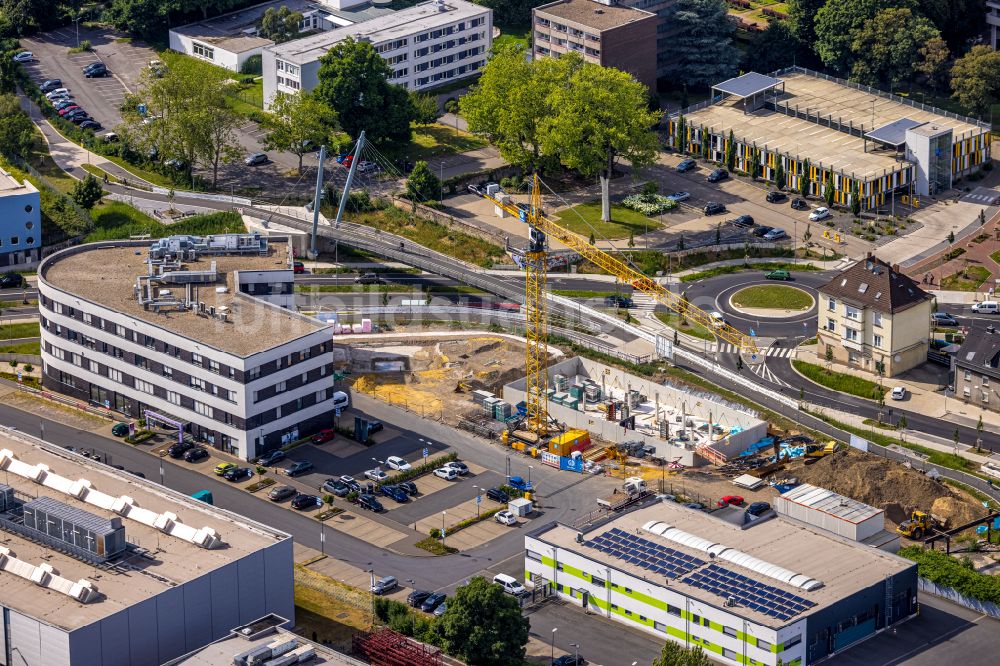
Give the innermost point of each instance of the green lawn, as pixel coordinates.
(838, 381)
(430, 141)
(766, 266)
(688, 326)
(118, 220)
(777, 296)
(23, 348)
(968, 280)
(996, 256)
(512, 35)
(585, 219)
(23, 330)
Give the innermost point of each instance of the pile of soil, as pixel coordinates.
(888, 485)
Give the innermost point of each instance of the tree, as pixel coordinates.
(828, 188)
(422, 185)
(602, 116)
(855, 200)
(772, 49)
(675, 654)
(145, 18)
(838, 21)
(802, 16)
(718, 234)
(425, 108)
(17, 133)
(353, 80)
(706, 144)
(754, 163)
(679, 139)
(484, 626)
(951, 237)
(700, 52)
(298, 123)
(807, 234)
(779, 172)
(805, 180)
(933, 62)
(731, 152)
(511, 12)
(887, 49)
(280, 25)
(955, 19)
(974, 79)
(217, 142)
(87, 192)
(631, 238)
(829, 354)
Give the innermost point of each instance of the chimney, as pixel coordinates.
(869, 255)
(895, 268)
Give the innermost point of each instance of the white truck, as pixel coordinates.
(633, 490)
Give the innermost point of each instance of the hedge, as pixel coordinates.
(420, 470)
(462, 524)
(959, 575)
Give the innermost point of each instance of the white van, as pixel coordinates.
(509, 584)
(340, 400)
(986, 307)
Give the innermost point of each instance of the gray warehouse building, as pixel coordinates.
(102, 568)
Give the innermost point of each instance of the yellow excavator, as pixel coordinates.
(820, 450)
(919, 525)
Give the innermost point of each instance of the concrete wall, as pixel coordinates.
(221, 57)
(20, 221)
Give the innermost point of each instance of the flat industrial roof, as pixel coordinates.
(827, 501)
(11, 185)
(592, 15)
(106, 275)
(221, 652)
(405, 22)
(748, 84)
(171, 560)
(842, 567)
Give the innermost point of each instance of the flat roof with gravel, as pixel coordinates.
(106, 275)
(171, 561)
(592, 15)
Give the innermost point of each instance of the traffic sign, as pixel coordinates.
(426, 451)
(479, 499)
(337, 411)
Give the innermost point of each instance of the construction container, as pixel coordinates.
(566, 443)
(366, 325)
(502, 410)
(560, 398)
(560, 382)
(479, 397)
(520, 506)
(576, 391)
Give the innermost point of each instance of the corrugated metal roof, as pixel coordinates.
(71, 514)
(830, 502)
(749, 84)
(894, 133)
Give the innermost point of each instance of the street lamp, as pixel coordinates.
(576, 652)
(443, 535)
(552, 647)
(478, 500)
(530, 467)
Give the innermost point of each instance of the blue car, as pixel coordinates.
(686, 165)
(395, 493)
(519, 483)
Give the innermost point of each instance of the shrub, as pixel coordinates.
(946, 571)
(650, 187)
(649, 204)
(462, 524)
(29, 368)
(252, 65)
(420, 470)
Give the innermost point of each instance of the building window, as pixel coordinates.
(559, 566)
(280, 387)
(763, 645)
(86, 318)
(119, 330)
(986, 396)
(532, 555)
(213, 366)
(986, 380)
(832, 304)
(168, 372)
(674, 610)
(851, 312)
(628, 612)
(174, 397)
(196, 359)
(877, 319)
(729, 654)
(203, 409)
(831, 325)
(253, 373)
(729, 631)
(231, 396)
(115, 375)
(197, 383)
(659, 626)
(968, 375)
(144, 386)
(878, 340)
(791, 642)
(58, 353)
(95, 367)
(851, 334)
(203, 51)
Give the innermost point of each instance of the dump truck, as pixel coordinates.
(919, 525)
(820, 450)
(633, 490)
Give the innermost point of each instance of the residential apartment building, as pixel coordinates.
(975, 368)
(606, 35)
(873, 317)
(774, 591)
(426, 45)
(993, 23)
(664, 10)
(20, 223)
(103, 568)
(192, 331)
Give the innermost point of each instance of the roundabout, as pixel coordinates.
(771, 301)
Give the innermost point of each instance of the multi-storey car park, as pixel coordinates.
(20, 223)
(865, 138)
(748, 591)
(101, 567)
(189, 331)
(426, 45)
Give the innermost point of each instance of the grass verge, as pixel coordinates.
(776, 296)
(34, 348)
(585, 219)
(435, 547)
(33, 382)
(117, 220)
(23, 330)
(838, 381)
(969, 279)
(430, 141)
(684, 326)
(766, 266)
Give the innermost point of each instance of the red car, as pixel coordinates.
(734, 500)
(64, 111)
(298, 267)
(324, 435)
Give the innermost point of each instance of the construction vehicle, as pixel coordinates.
(919, 525)
(820, 450)
(540, 229)
(633, 490)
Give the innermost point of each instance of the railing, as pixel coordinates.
(224, 198)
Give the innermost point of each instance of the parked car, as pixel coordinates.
(298, 267)
(11, 280)
(50, 85)
(351, 483)
(717, 319)
(717, 175)
(569, 660)
(743, 222)
(224, 467)
(24, 56)
(374, 427)
(91, 124)
(697, 506)
(800, 204)
(757, 508)
(775, 197)
(446, 473)
(686, 165)
(820, 213)
(397, 463)
(238, 474)
(368, 278)
(377, 475)
(395, 493)
(324, 435)
(66, 109)
(269, 459)
(303, 501)
(384, 584)
(56, 92)
(943, 319)
(195, 454)
(679, 196)
(714, 208)
(335, 487)
(61, 97)
(179, 449)
(735, 500)
(509, 584)
(95, 70)
(779, 274)
(898, 393)
(440, 610)
(365, 166)
(618, 302)
(518, 483)
(459, 467)
(505, 517)
(407, 487)
(498, 495)
(986, 307)
(281, 493)
(775, 234)
(416, 598)
(432, 602)
(119, 429)
(761, 231)
(62, 104)
(299, 468)
(369, 502)
(255, 159)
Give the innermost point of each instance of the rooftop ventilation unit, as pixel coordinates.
(45, 576)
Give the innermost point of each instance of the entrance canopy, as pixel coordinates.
(750, 87)
(894, 133)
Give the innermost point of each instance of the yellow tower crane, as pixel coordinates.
(540, 228)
